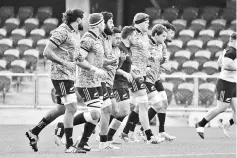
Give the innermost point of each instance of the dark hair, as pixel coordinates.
(233, 36)
(116, 30)
(158, 29)
(71, 15)
(107, 16)
(169, 26)
(127, 31)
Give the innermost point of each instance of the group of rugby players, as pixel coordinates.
(116, 73)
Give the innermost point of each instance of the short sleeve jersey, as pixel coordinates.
(227, 75)
(67, 41)
(140, 53)
(92, 44)
(156, 53)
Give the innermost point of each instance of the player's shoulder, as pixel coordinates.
(230, 53)
(89, 36)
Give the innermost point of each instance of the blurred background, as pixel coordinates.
(203, 28)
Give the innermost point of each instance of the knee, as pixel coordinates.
(95, 114)
(107, 110)
(71, 108)
(61, 109)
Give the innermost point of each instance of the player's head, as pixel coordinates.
(159, 33)
(96, 20)
(109, 24)
(116, 37)
(232, 40)
(171, 31)
(74, 17)
(129, 33)
(141, 21)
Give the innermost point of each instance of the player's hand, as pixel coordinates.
(80, 58)
(108, 67)
(70, 65)
(128, 76)
(98, 71)
(135, 70)
(150, 73)
(113, 62)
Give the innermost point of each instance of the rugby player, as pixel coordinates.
(62, 50)
(225, 87)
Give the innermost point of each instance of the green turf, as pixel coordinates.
(187, 145)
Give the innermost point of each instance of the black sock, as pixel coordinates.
(129, 125)
(135, 122)
(88, 130)
(231, 122)
(59, 131)
(161, 117)
(151, 114)
(111, 134)
(111, 119)
(103, 138)
(79, 119)
(203, 122)
(37, 129)
(68, 134)
(148, 134)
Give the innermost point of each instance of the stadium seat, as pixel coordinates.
(214, 46)
(24, 44)
(179, 24)
(3, 64)
(189, 67)
(31, 24)
(189, 13)
(41, 45)
(228, 14)
(50, 24)
(186, 35)
(206, 35)
(224, 35)
(6, 12)
(182, 56)
(178, 77)
(17, 35)
(18, 66)
(206, 94)
(159, 21)
(3, 33)
(233, 25)
(194, 45)
(175, 46)
(197, 25)
(25, 13)
(31, 57)
(201, 78)
(11, 55)
(213, 78)
(210, 67)
(210, 13)
(174, 66)
(202, 56)
(5, 44)
(44, 13)
(169, 90)
(11, 24)
(36, 35)
(218, 24)
(184, 94)
(170, 14)
(217, 54)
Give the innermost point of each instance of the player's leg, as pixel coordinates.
(47, 119)
(225, 92)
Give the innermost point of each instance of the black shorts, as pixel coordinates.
(63, 87)
(225, 90)
(89, 95)
(138, 84)
(150, 87)
(121, 94)
(159, 86)
(107, 91)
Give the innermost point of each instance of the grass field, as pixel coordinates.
(187, 145)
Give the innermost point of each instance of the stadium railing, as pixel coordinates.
(33, 90)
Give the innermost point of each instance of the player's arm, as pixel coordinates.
(128, 76)
(57, 38)
(229, 60)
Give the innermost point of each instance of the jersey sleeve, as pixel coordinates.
(230, 53)
(87, 44)
(58, 37)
